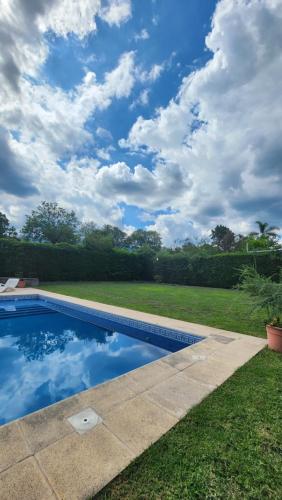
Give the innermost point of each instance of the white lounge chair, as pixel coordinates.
(10, 284)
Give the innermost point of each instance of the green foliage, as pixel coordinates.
(141, 238)
(51, 223)
(262, 242)
(265, 238)
(266, 293)
(105, 237)
(112, 237)
(200, 249)
(69, 262)
(222, 270)
(117, 236)
(98, 241)
(223, 238)
(73, 262)
(6, 230)
(266, 230)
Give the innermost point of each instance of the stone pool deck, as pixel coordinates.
(43, 457)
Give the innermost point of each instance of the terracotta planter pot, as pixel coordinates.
(274, 337)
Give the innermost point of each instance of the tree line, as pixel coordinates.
(50, 223)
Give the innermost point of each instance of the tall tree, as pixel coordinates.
(87, 229)
(265, 230)
(198, 249)
(6, 230)
(51, 223)
(223, 238)
(107, 235)
(117, 235)
(94, 238)
(141, 238)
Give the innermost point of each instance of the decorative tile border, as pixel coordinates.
(19, 297)
(110, 320)
(89, 314)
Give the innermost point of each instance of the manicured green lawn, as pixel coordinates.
(228, 447)
(228, 309)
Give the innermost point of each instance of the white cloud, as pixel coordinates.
(42, 122)
(174, 228)
(217, 144)
(116, 12)
(50, 123)
(104, 134)
(121, 80)
(22, 48)
(147, 77)
(70, 16)
(96, 191)
(142, 99)
(155, 20)
(128, 229)
(105, 153)
(38, 114)
(23, 23)
(144, 96)
(153, 74)
(219, 129)
(139, 186)
(143, 35)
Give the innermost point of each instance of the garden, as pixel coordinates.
(232, 440)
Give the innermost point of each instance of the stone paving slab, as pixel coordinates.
(25, 481)
(239, 352)
(204, 349)
(139, 423)
(79, 465)
(178, 394)
(136, 409)
(209, 372)
(146, 376)
(13, 447)
(181, 359)
(106, 397)
(50, 424)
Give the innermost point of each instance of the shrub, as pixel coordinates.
(69, 262)
(73, 262)
(266, 294)
(222, 270)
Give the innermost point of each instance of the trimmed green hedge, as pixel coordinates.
(220, 271)
(69, 262)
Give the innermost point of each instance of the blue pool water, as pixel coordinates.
(46, 356)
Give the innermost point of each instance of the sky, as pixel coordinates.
(163, 115)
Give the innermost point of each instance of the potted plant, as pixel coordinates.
(21, 283)
(266, 295)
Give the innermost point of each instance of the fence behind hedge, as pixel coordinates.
(68, 262)
(217, 271)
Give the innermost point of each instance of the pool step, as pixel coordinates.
(25, 311)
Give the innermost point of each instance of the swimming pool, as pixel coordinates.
(51, 349)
